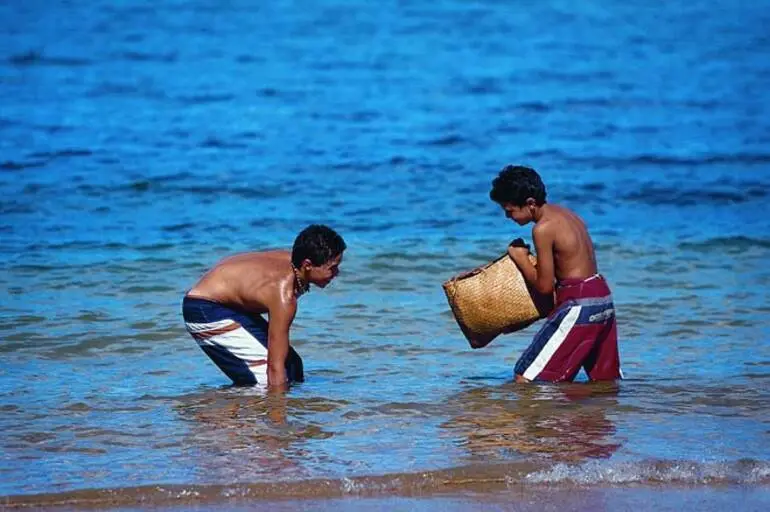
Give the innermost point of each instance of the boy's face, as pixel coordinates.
(323, 274)
(520, 214)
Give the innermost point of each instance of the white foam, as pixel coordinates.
(689, 472)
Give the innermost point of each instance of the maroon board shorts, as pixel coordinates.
(580, 332)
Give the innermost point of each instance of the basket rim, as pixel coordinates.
(474, 272)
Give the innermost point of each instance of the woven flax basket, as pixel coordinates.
(494, 299)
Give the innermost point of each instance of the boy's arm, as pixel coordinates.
(280, 320)
(540, 277)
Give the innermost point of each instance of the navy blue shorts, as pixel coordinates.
(236, 341)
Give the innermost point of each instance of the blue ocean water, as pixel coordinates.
(141, 141)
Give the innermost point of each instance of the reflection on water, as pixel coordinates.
(235, 428)
(566, 423)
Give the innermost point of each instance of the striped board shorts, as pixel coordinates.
(235, 341)
(580, 332)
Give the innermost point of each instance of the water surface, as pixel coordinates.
(141, 142)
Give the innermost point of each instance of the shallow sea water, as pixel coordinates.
(141, 141)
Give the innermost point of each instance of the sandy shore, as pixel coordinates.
(703, 499)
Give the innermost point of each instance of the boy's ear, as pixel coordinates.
(306, 264)
(530, 201)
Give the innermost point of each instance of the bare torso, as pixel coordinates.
(251, 281)
(573, 250)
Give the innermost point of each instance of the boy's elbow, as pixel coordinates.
(544, 288)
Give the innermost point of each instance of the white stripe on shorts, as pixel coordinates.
(238, 341)
(553, 344)
(208, 326)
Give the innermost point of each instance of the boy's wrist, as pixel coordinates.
(276, 376)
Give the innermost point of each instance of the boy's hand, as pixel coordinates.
(518, 254)
(518, 250)
(519, 242)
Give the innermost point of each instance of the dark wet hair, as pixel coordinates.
(515, 184)
(317, 243)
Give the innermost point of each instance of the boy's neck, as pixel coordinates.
(301, 282)
(538, 213)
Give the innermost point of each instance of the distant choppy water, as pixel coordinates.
(142, 141)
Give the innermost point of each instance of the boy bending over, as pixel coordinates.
(223, 311)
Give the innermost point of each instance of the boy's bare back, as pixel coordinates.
(572, 248)
(252, 281)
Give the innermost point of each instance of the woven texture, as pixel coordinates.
(493, 299)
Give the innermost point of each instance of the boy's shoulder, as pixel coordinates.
(558, 220)
(558, 210)
(559, 213)
(550, 216)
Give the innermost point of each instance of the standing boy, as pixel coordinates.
(581, 330)
(223, 311)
